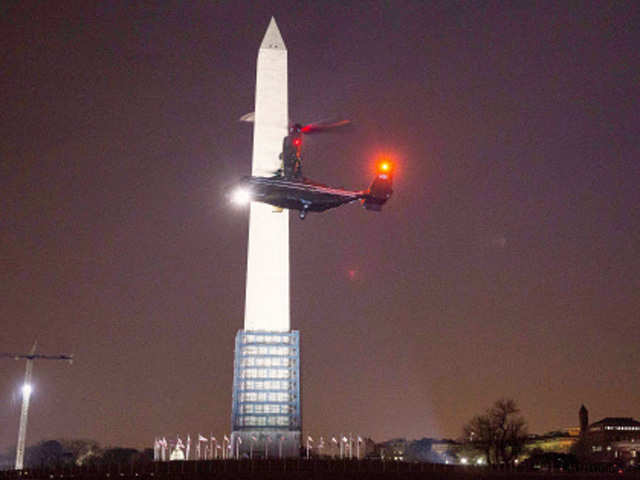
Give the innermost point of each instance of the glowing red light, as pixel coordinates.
(384, 166)
(297, 142)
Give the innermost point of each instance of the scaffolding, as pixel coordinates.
(265, 414)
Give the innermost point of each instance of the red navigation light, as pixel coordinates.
(384, 166)
(297, 142)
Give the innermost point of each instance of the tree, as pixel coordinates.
(83, 451)
(49, 453)
(500, 432)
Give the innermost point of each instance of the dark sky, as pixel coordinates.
(506, 264)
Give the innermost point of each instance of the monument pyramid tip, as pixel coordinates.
(272, 38)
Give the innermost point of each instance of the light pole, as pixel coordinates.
(280, 446)
(24, 413)
(26, 394)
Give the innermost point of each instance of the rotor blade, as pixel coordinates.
(320, 127)
(248, 117)
(54, 357)
(15, 356)
(30, 356)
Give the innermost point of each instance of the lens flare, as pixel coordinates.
(241, 196)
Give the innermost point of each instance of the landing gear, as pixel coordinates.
(305, 209)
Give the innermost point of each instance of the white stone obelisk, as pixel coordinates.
(267, 291)
(266, 404)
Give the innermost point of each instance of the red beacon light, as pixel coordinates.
(297, 142)
(384, 168)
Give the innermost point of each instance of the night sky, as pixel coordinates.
(505, 265)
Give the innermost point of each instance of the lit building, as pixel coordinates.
(611, 440)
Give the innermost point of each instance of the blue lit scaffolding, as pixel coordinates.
(266, 393)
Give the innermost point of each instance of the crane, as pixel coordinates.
(26, 393)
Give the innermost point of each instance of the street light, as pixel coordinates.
(27, 389)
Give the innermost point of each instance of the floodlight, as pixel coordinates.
(241, 196)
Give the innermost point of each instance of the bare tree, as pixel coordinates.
(500, 432)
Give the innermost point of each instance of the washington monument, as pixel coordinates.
(266, 417)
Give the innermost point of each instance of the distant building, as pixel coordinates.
(610, 440)
(448, 451)
(423, 450)
(395, 449)
(553, 442)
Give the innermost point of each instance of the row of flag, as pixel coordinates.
(346, 445)
(164, 450)
(210, 449)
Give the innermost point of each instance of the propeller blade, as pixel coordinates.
(248, 117)
(321, 127)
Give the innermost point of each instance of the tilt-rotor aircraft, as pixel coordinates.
(288, 188)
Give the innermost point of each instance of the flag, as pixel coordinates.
(334, 440)
(309, 438)
(213, 439)
(345, 439)
(226, 438)
(360, 439)
(201, 438)
(239, 439)
(179, 444)
(163, 450)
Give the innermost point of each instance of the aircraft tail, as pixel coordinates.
(381, 188)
